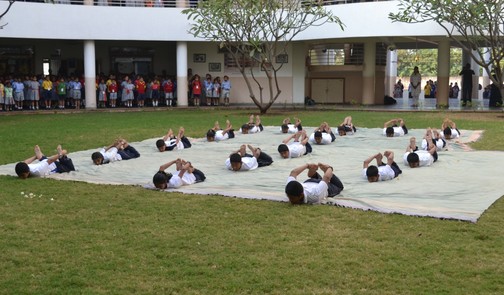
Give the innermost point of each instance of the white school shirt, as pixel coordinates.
(426, 159)
(251, 130)
(111, 155)
(291, 128)
(326, 138)
(186, 179)
(42, 168)
(248, 163)
(385, 173)
(313, 192)
(172, 142)
(220, 136)
(440, 144)
(398, 131)
(454, 134)
(296, 149)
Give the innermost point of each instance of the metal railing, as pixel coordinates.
(165, 3)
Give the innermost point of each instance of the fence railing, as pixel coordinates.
(164, 3)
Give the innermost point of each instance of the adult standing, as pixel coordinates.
(467, 83)
(416, 87)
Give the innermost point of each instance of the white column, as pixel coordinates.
(443, 76)
(369, 73)
(182, 82)
(486, 76)
(90, 73)
(476, 68)
(298, 58)
(391, 72)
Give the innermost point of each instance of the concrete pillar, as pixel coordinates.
(182, 83)
(90, 74)
(476, 68)
(369, 73)
(486, 76)
(391, 72)
(443, 77)
(298, 72)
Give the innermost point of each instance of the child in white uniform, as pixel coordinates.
(315, 189)
(380, 172)
(450, 130)
(241, 161)
(218, 134)
(117, 151)
(287, 127)
(322, 135)
(419, 158)
(299, 147)
(185, 174)
(394, 128)
(170, 142)
(251, 127)
(346, 127)
(58, 163)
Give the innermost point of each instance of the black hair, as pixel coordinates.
(161, 177)
(413, 158)
(294, 190)
(22, 168)
(282, 148)
(96, 155)
(342, 129)
(285, 128)
(447, 131)
(235, 158)
(318, 134)
(372, 171)
(160, 143)
(389, 131)
(210, 133)
(245, 127)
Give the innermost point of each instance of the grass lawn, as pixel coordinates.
(78, 238)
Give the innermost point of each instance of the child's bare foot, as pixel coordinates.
(258, 120)
(38, 152)
(216, 126)
(251, 119)
(255, 151)
(228, 124)
(243, 150)
(412, 143)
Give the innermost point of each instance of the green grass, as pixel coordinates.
(79, 238)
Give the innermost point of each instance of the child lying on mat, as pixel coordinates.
(251, 126)
(185, 174)
(450, 130)
(420, 158)
(218, 134)
(381, 171)
(315, 189)
(346, 127)
(241, 161)
(288, 127)
(436, 138)
(58, 163)
(394, 128)
(170, 142)
(299, 147)
(322, 135)
(117, 151)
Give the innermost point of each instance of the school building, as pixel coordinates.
(356, 65)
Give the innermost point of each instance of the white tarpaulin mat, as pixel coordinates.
(462, 184)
